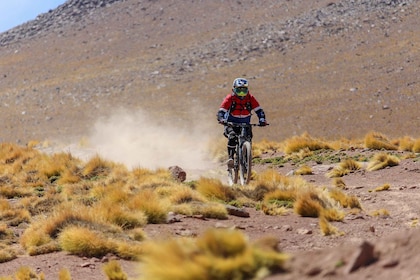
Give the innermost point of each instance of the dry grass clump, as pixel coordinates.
(384, 187)
(64, 274)
(339, 183)
(113, 271)
(345, 167)
(12, 216)
(265, 146)
(214, 189)
(378, 141)
(382, 160)
(406, 144)
(297, 143)
(326, 227)
(25, 272)
(184, 194)
(7, 255)
(85, 242)
(154, 207)
(95, 167)
(416, 146)
(271, 179)
(380, 213)
(345, 200)
(304, 170)
(217, 254)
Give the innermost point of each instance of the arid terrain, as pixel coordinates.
(130, 77)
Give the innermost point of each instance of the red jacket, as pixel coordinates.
(234, 109)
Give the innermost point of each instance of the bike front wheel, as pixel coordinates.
(245, 163)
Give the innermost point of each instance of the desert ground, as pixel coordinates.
(124, 78)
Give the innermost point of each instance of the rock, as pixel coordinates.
(178, 173)
(363, 256)
(235, 211)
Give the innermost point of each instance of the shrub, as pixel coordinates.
(217, 254)
(297, 143)
(304, 170)
(214, 189)
(382, 160)
(84, 242)
(113, 271)
(378, 141)
(416, 146)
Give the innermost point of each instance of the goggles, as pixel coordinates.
(241, 91)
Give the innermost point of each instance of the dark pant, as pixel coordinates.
(230, 133)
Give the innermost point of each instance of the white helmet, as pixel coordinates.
(240, 87)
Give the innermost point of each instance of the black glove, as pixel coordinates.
(221, 117)
(263, 122)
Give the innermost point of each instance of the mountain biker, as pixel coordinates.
(236, 108)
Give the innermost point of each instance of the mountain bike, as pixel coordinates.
(242, 159)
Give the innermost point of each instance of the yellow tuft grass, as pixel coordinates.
(378, 141)
(11, 215)
(214, 189)
(380, 212)
(25, 272)
(336, 172)
(416, 146)
(114, 271)
(7, 254)
(339, 183)
(344, 168)
(184, 194)
(151, 204)
(297, 143)
(382, 160)
(116, 213)
(85, 242)
(345, 200)
(384, 187)
(212, 210)
(265, 146)
(308, 204)
(64, 274)
(406, 144)
(217, 254)
(326, 227)
(129, 250)
(96, 166)
(304, 170)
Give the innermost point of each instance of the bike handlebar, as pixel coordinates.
(243, 124)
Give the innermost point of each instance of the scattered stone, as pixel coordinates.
(389, 263)
(304, 231)
(235, 211)
(363, 256)
(178, 173)
(172, 218)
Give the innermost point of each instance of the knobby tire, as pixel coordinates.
(245, 163)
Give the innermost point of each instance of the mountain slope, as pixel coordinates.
(330, 68)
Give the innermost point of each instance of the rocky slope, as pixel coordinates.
(330, 68)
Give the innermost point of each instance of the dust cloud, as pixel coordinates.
(137, 140)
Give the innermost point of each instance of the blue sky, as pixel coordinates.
(16, 12)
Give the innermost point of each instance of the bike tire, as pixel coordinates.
(232, 176)
(245, 163)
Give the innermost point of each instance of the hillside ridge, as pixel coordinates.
(103, 53)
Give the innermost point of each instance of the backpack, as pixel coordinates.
(247, 105)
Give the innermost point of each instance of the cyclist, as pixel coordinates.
(236, 108)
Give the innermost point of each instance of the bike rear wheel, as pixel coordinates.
(245, 163)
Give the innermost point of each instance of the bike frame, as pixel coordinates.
(243, 155)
